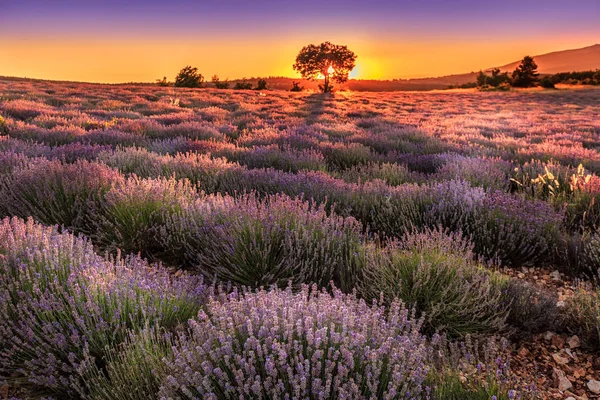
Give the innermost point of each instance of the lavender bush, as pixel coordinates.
(57, 193)
(309, 344)
(62, 304)
(434, 273)
(255, 242)
(134, 212)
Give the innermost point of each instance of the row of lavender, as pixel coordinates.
(371, 194)
(73, 324)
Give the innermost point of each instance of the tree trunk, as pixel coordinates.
(326, 84)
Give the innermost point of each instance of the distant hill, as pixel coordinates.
(584, 59)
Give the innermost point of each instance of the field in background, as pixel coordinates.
(362, 190)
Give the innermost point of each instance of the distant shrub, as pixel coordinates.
(423, 163)
(261, 84)
(247, 346)
(242, 85)
(57, 193)
(62, 304)
(133, 160)
(495, 80)
(285, 159)
(189, 77)
(296, 87)
(219, 84)
(434, 273)
(73, 152)
(547, 83)
(163, 82)
(24, 109)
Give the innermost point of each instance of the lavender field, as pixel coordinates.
(217, 244)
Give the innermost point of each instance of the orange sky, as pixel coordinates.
(126, 60)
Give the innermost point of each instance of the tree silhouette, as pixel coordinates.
(333, 62)
(189, 77)
(261, 84)
(243, 85)
(296, 87)
(219, 84)
(525, 75)
(162, 82)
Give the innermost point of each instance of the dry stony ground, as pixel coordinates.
(430, 138)
(556, 362)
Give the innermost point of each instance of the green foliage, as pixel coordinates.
(296, 87)
(313, 61)
(220, 84)
(133, 371)
(525, 75)
(434, 273)
(261, 84)
(578, 77)
(189, 77)
(450, 386)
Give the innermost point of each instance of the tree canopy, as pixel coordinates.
(333, 62)
(525, 75)
(189, 77)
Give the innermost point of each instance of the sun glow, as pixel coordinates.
(330, 70)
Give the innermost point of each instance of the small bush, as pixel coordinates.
(296, 87)
(434, 273)
(219, 84)
(309, 344)
(531, 310)
(547, 83)
(261, 84)
(242, 85)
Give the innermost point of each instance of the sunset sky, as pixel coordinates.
(108, 41)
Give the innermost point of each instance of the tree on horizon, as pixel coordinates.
(333, 62)
(526, 75)
(189, 77)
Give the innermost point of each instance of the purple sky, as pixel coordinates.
(394, 38)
